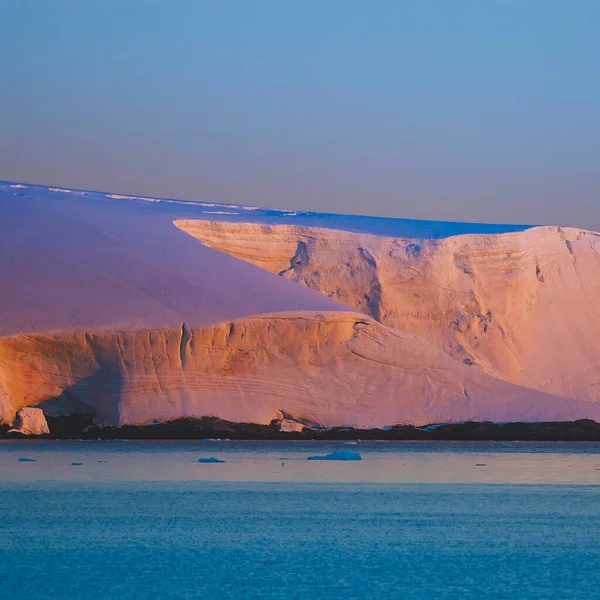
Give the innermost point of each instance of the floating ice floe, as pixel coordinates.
(59, 190)
(338, 455)
(210, 459)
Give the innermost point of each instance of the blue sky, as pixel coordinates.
(482, 110)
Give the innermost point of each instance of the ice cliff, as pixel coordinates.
(108, 308)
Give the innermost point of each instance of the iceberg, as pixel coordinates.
(338, 455)
(30, 421)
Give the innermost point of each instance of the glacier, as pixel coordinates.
(137, 310)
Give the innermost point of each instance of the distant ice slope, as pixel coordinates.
(234, 213)
(107, 308)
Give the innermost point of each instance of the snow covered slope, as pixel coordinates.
(106, 307)
(74, 261)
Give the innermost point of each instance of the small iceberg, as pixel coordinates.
(338, 455)
(210, 459)
(26, 459)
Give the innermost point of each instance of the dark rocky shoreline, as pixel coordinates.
(78, 427)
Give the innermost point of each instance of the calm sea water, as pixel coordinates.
(411, 520)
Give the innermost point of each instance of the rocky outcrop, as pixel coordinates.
(523, 307)
(213, 428)
(30, 421)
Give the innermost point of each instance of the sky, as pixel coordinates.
(485, 111)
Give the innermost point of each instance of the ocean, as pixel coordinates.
(120, 519)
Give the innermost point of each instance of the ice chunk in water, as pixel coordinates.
(338, 455)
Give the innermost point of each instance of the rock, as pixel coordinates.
(30, 421)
